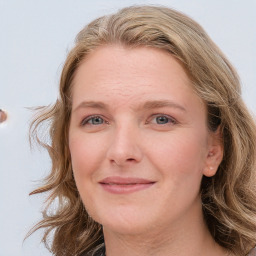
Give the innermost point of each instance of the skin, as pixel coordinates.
(135, 115)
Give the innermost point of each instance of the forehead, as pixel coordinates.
(130, 73)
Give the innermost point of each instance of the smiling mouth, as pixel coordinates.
(120, 185)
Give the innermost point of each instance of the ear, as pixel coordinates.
(214, 154)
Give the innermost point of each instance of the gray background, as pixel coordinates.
(35, 37)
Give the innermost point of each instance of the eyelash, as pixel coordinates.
(171, 120)
(86, 120)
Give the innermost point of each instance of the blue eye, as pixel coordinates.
(162, 120)
(94, 120)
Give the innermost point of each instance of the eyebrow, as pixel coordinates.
(147, 105)
(162, 103)
(91, 104)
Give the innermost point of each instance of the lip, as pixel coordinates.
(122, 185)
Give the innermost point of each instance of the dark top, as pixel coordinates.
(101, 252)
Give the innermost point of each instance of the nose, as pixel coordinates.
(125, 146)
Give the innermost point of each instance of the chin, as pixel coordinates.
(127, 221)
(129, 229)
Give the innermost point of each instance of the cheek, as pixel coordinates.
(182, 153)
(86, 155)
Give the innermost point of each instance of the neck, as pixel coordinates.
(186, 237)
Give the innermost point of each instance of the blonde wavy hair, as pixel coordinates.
(228, 198)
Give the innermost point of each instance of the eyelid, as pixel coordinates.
(88, 118)
(149, 120)
(172, 119)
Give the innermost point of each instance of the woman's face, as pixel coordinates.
(138, 139)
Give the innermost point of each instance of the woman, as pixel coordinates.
(153, 150)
